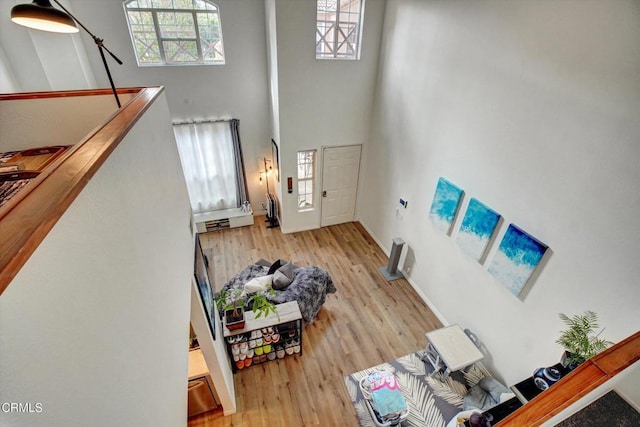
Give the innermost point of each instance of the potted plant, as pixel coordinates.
(580, 340)
(232, 302)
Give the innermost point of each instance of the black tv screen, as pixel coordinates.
(204, 285)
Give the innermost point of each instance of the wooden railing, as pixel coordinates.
(581, 381)
(27, 220)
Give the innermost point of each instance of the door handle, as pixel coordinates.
(324, 193)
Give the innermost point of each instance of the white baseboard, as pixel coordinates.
(413, 284)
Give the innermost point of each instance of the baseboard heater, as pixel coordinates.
(223, 219)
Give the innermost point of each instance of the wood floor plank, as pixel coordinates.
(367, 322)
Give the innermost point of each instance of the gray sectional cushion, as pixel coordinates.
(484, 395)
(283, 277)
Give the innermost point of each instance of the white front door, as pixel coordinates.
(340, 169)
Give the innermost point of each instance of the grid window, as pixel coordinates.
(175, 32)
(339, 29)
(306, 178)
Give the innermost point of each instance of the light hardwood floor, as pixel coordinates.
(367, 322)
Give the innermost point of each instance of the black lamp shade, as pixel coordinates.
(41, 15)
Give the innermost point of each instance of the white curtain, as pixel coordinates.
(208, 162)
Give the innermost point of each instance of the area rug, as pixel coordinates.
(432, 400)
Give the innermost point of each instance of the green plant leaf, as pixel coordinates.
(580, 339)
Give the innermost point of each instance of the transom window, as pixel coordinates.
(175, 32)
(306, 178)
(339, 29)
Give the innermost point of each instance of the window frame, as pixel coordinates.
(160, 40)
(311, 179)
(333, 55)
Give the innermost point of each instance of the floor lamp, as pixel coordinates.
(41, 15)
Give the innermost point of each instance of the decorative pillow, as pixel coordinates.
(477, 398)
(283, 277)
(257, 284)
(276, 265)
(485, 395)
(494, 387)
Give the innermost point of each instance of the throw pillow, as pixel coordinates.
(494, 387)
(276, 265)
(257, 284)
(477, 398)
(283, 277)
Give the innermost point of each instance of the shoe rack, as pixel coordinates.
(265, 339)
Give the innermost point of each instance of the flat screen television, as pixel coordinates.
(204, 285)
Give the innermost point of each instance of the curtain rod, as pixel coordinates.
(194, 122)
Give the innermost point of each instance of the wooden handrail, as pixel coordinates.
(578, 383)
(25, 222)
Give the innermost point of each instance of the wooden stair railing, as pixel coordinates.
(578, 383)
(28, 217)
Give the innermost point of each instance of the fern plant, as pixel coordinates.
(580, 340)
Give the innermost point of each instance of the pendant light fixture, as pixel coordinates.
(41, 15)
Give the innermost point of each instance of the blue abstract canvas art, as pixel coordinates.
(476, 231)
(444, 207)
(516, 259)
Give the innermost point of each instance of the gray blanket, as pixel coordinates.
(309, 287)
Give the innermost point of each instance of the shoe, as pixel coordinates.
(248, 362)
(296, 348)
(259, 341)
(271, 356)
(275, 338)
(267, 339)
(280, 352)
(240, 364)
(258, 351)
(252, 343)
(235, 349)
(266, 349)
(242, 356)
(250, 354)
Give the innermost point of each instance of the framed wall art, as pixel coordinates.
(477, 229)
(517, 259)
(445, 205)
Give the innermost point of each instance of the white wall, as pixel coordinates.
(29, 123)
(214, 351)
(322, 102)
(238, 89)
(43, 61)
(532, 107)
(95, 325)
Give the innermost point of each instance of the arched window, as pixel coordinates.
(175, 32)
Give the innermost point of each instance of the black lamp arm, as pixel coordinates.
(100, 43)
(96, 39)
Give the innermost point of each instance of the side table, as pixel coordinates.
(452, 349)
